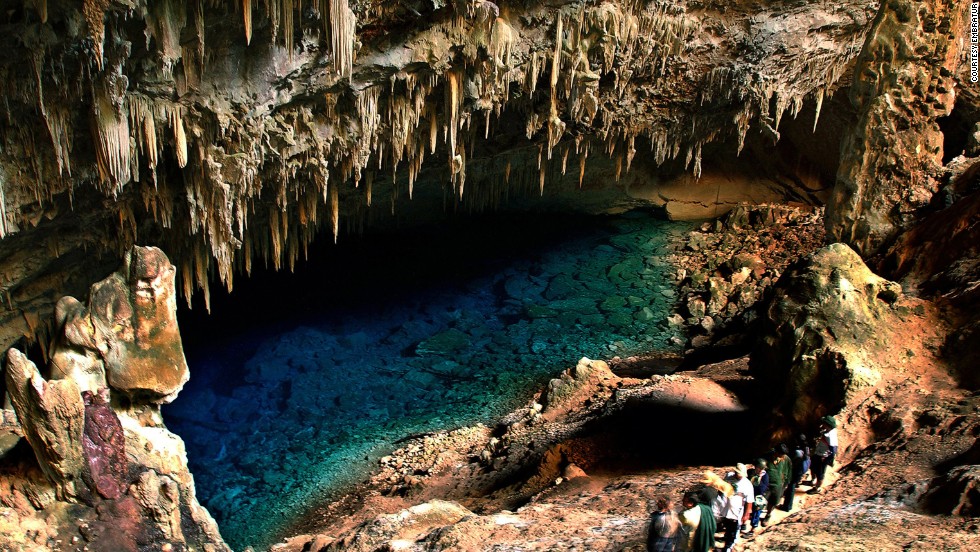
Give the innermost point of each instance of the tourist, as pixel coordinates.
(715, 495)
(664, 527)
(734, 511)
(744, 487)
(824, 452)
(760, 486)
(800, 458)
(780, 471)
(699, 525)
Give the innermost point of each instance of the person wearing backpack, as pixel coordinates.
(824, 452)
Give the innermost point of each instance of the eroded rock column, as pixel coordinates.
(892, 158)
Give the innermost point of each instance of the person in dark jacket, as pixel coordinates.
(664, 527)
(700, 521)
(800, 458)
(760, 484)
(780, 470)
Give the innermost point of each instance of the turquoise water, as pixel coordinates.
(301, 383)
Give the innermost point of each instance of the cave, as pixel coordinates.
(472, 274)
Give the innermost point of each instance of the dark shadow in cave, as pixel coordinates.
(645, 435)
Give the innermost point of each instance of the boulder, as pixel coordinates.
(561, 389)
(401, 530)
(126, 336)
(821, 330)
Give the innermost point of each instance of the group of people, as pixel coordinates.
(744, 499)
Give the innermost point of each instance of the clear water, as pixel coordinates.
(301, 383)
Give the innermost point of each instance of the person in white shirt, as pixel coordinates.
(744, 487)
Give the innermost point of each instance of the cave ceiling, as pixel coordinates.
(233, 133)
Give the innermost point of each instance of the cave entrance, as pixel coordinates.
(299, 382)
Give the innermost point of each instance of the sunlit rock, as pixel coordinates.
(821, 332)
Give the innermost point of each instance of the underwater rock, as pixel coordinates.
(443, 343)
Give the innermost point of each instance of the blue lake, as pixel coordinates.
(300, 382)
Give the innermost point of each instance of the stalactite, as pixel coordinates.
(41, 6)
(453, 105)
(816, 114)
(180, 137)
(94, 12)
(247, 14)
(111, 132)
(335, 210)
(367, 187)
(286, 12)
(343, 29)
(4, 229)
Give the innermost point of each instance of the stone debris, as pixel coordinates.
(726, 266)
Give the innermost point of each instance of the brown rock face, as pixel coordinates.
(127, 335)
(892, 158)
(104, 446)
(820, 333)
(151, 359)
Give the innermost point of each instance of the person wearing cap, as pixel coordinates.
(824, 452)
(664, 528)
(731, 520)
(744, 487)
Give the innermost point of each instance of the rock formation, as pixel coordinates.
(95, 429)
(892, 158)
(821, 332)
